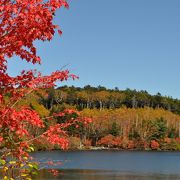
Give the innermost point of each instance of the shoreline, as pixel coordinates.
(108, 149)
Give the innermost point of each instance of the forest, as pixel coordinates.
(36, 116)
(121, 119)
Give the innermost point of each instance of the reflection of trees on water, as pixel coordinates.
(101, 175)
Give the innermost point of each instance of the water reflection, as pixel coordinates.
(134, 162)
(112, 165)
(102, 175)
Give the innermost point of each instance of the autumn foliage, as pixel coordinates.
(141, 128)
(110, 141)
(22, 22)
(154, 145)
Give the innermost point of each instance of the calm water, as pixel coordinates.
(103, 165)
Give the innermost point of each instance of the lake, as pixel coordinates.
(105, 165)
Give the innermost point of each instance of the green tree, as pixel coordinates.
(114, 129)
(159, 129)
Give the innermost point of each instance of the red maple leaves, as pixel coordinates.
(22, 22)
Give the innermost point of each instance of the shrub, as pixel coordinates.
(154, 145)
(106, 141)
(131, 144)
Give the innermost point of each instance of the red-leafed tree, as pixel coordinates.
(22, 22)
(154, 145)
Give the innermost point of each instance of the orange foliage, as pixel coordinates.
(117, 141)
(110, 141)
(131, 144)
(154, 145)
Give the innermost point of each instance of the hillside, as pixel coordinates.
(126, 119)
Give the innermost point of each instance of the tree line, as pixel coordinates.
(102, 98)
(127, 119)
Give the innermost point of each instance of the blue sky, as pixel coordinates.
(120, 43)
